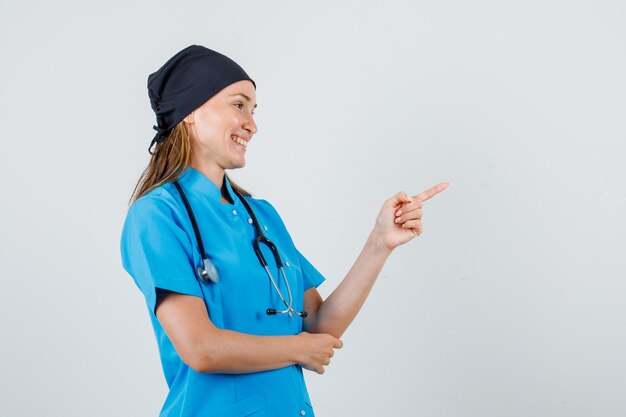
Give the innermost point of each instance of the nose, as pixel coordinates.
(249, 123)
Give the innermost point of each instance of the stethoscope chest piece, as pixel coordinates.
(209, 272)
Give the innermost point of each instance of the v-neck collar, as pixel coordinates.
(193, 179)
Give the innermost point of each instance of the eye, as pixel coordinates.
(239, 105)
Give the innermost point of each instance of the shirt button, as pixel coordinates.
(287, 263)
(302, 412)
(250, 221)
(234, 212)
(265, 227)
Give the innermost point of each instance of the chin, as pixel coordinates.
(237, 165)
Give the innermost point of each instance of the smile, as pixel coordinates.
(240, 141)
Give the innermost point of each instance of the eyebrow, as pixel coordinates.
(246, 97)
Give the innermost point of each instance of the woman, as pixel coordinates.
(234, 335)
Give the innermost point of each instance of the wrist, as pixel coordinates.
(377, 243)
(297, 349)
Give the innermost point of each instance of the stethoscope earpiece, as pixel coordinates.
(273, 312)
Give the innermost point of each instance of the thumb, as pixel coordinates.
(400, 198)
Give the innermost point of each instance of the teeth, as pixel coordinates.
(239, 141)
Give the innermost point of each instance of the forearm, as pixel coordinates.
(231, 352)
(340, 308)
(207, 348)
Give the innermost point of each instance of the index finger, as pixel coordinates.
(338, 344)
(432, 191)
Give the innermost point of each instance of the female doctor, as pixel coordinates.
(233, 328)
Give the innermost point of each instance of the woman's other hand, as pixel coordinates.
(400, 218)
(316, 350)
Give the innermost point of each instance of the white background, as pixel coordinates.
(512, 301)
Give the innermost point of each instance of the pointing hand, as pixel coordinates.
(400, 218)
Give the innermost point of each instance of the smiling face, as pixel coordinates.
(221, 128)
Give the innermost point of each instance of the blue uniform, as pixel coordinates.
(159, 250)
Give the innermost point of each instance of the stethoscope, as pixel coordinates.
(208, 272)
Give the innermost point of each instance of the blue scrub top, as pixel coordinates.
(159, 250)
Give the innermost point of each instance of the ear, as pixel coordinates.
(189, 118)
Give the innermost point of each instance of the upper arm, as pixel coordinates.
(312, 302)
(188, 326)
(312, 278)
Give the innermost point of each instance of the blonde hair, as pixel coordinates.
(170, 159)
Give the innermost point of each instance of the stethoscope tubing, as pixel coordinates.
(210, 274)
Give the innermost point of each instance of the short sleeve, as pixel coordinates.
(311, 277)
(156, 251)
